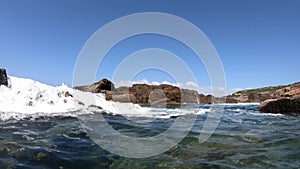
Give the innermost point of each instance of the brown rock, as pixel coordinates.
(125, 98)
(102, 85)
(259, 96)
(282, 105)
(157, 96)
(162, 101)
(231, 100)
(143, 91)
(189, 96)
(209, 99)
(67, 94)
(291, 91)
(108, 94)
(123, 90)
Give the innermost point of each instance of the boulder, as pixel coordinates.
(282, 105)
(3, 77)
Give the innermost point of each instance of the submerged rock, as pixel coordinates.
(282, 105)
(41, 156)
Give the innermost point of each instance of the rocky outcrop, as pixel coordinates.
(282, 105)
(262, 94)
(285, 100)
(189, 96)
(231, 100)
(290, 91)
(98, 87)
(125, 98)
(206, 99)
(259, 96)
(152, 94)
(143, 93)
(239, 98)
(3, 77)
(172, 95)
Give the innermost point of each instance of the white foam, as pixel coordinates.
(266, 114)
(239, 104)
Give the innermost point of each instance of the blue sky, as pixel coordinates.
(257, 41)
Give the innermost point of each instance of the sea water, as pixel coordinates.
(244, 138)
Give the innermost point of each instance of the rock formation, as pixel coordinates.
(147, 94)
(189, 96)
(143, 93)
(262, 94)
(209, 99)
(281, 105)
(98, 87)
(172, 95)
(231, 100)
(290, 91)
(285, 100)
(3, 77)
(259, 96)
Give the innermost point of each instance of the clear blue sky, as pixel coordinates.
(258, 41)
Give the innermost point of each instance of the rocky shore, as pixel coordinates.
(285, 100)
(274, 99)
(144, 94)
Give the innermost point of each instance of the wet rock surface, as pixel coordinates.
(3, 77)
(282, 105)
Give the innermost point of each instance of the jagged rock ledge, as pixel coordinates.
(287, 101)
(282, 105)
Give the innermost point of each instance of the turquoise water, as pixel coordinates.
(244, 138)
